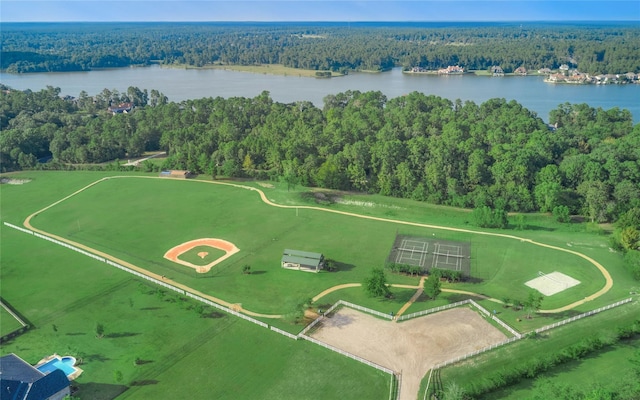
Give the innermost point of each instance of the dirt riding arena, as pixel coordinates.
(412, 346)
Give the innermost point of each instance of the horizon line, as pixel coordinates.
(325, 21)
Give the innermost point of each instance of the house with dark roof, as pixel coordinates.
(302, 260)
(21, 381)
(497, 70)
(122, 108)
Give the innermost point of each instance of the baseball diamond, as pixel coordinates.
(174, 253)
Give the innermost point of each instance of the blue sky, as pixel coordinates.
(318, 10)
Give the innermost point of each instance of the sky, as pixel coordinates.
(317, 10)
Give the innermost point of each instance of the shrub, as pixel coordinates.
(561, 214)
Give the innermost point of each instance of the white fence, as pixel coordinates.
(312, 324)
(19, 228)
(545, 328)
(228, 310)
(505, 326)
(344, 353)
(141, 275)
(493, 317)
(587, 314)
(431, 310)
(475, 353)
(365, 309)
(285, 333)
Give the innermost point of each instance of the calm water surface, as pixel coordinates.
(183, 84)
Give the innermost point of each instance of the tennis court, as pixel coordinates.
(429, 253)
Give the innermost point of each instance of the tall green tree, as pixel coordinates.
(376, 284)
(432, 286)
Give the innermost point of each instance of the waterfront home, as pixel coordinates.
(418, 69)
(451, 69)
(122, 108)
(576, 78)
(520, 71)
(497, 71)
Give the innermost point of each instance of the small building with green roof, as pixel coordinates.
(302, 260)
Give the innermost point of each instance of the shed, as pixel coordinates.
(302, 260)
(21, 381)
(176, 173)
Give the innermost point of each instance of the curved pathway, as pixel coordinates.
(335, 288)
(608, 280)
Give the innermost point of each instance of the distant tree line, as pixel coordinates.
(496, 157)
(338, 47)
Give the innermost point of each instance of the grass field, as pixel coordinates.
(9, 323)
(138, 233)
(65, 294)
(137, 220)
(201, 255)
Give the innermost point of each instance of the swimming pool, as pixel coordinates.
(66, 364)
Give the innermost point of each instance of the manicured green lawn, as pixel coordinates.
(8, 323)
(64, 294)
(139, 219)
(201, 255)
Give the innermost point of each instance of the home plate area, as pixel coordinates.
(550, 284)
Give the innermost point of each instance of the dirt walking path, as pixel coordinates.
(412, 299)
(263, 197)
(334, 288)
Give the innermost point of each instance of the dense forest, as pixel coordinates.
(592, 48)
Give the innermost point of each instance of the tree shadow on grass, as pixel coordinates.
(404, 295)
(150, 308)
(529, 227)
(337, 266)
(75, 333)
(213, 314)
(456, 297)
(145, 382)
(257, 272)
(117, 335)
(98, 391)
(96, 357)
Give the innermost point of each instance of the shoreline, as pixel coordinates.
(265, 69)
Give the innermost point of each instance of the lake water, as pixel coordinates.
(182, 84)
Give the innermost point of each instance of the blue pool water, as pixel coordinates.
(64, 363)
